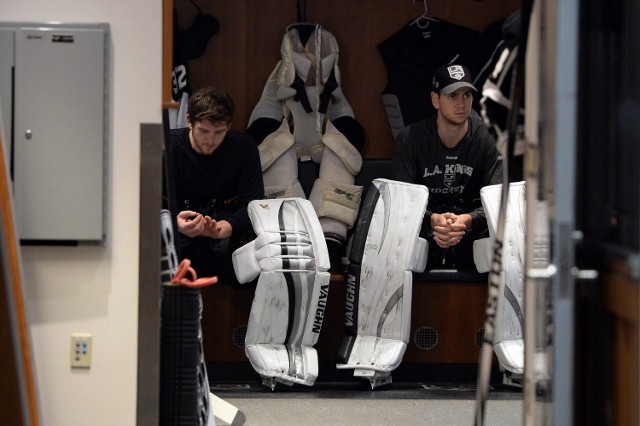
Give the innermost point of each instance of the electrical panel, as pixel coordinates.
(54, 100)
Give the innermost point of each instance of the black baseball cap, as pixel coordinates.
(450, 78)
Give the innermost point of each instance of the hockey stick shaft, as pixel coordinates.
(486, 351)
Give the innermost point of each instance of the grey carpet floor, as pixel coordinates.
(354, 404)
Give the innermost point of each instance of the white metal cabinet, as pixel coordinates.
(59, 132)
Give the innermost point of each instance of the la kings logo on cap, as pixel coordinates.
(456, 72)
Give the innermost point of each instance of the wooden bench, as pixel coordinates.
(446, 326)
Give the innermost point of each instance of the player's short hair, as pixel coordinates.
(212, 104)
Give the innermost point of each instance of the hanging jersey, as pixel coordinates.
(189, 44)
(412, 55)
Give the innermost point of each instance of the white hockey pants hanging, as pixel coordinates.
(304, 90)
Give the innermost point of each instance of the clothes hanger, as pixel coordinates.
(302, 10)
(423, 20)
(304, 28)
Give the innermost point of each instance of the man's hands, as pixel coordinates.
(449, 228)
(217, 229)
(193, 224)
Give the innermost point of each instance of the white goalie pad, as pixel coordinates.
(345, 156)
(482, 253)
(509, 339)
(334, 195)
(290, 257)
(305, 89)
(275, 145)
(338, 201)
(310, 62)
(386, 248)
(279, 160)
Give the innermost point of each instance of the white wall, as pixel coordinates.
(95, 289)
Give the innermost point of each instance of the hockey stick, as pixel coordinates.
(486, 351)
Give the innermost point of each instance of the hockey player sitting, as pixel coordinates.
(216, 173)
(454, 156)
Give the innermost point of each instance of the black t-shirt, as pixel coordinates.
(220, 185)
(453, 176)
(413, 54)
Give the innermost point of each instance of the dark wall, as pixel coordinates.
(608, 190)
(240, 57)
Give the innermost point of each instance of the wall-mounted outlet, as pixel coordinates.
(80, 350)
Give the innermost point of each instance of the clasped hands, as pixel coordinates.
(194, 224)
(449, 228)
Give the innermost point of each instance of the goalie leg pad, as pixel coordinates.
(169, 259)
(336, 200)
(334, 196)
(509, 321)
(383, 254)
(349, 157)
(291, 257)
(285, 191)
(281, 178)
(275, 145)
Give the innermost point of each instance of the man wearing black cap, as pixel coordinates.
(454, 156)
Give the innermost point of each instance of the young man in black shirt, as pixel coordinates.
(216, 173)
(454, 156)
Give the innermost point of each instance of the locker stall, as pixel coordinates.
(447, 315)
